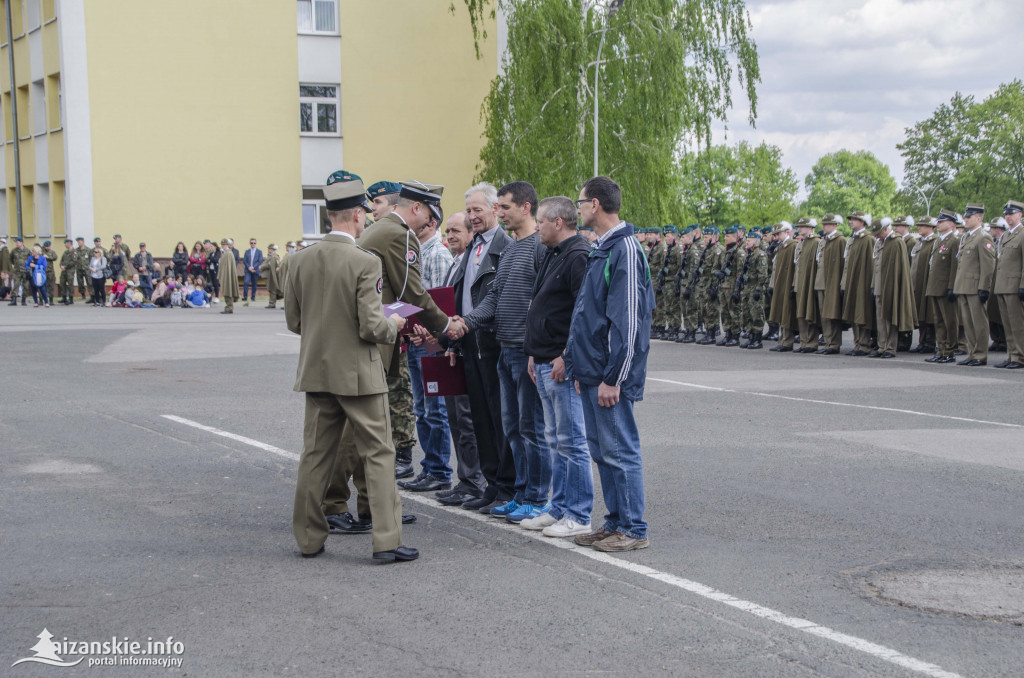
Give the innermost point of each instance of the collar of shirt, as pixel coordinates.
(1012, 230)
(943, 236)
(347, 235)
(560, 247)
(486, 237)
(432, 242)
(600, 241)
(973, 232)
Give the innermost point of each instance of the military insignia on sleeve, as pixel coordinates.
(988, 245)
(380, 285)
(410, 256)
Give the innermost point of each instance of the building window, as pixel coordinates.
(318, 110)
(314, 219)
(38, 108)
(34, 15)
(318, 17)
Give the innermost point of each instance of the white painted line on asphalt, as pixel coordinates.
(838, 404)
(853, 642)
(287, 334)
(233, 436)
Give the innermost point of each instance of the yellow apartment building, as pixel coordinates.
(168, 120)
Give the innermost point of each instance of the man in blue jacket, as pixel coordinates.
(606, 356)
(251, 262)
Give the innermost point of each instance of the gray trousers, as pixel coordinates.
(460, 422)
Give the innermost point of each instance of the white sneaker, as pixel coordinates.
(566, 527)
(541, 522)
(216, 300)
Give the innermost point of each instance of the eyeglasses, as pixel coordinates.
(583, 200)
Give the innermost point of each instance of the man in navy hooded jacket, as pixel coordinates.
(606, 356)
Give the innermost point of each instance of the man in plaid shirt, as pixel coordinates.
(431, 416)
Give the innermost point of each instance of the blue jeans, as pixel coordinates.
(431, 422)
(572, 479)
(522, 418)
(615, 446)
(253, 278)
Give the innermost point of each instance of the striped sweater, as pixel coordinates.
(508, 300)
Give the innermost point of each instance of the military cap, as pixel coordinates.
(46, 243)
(730, 229)
(670, 228)
(881, 224)
(782, 226)
(766, 230)
(974, 208)
(304, 243)
(927, 222)
(946, 215)
(117, 235)
(832, 219)
(999, 222)
(428, 194)
(1013, 207)
(271, 246)
(906, 220)
(68, 240)
(80, 238)
(383, 188)
(95, 239)
(343, 194)
(807, 222)
(17, 238)
(654, 229)
(754, 233)
(223, 241)
(710, 230)
(694, 227)
(862, 216)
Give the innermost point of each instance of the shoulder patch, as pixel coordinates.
(380, 285)
(988, 245)
(410, 256)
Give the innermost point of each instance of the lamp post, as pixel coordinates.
(928, 198)
(613, 7)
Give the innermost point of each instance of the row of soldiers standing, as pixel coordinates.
(73, 266)
(951, 281)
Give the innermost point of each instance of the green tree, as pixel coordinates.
(706, 183)
(664, 77)
(844, 181)
(764, 188)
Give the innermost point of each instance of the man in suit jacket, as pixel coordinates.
(939, 289)
(920, 256)
(335, 305)
(251, 262)
(974, 272)
(1009, 285)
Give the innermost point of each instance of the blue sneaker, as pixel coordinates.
(527, 511)
(505, 509)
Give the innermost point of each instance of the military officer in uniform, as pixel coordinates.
(68, 264)
(753, 282)
(894, 299)
(939, 288)
(858, 304)
(51, 278)
(828, 274)
(19, 280)
(271, 268)
(82, 256)
(920, 256)
(383, 197)
(901, 227)
(708, 296)
(727, 276)
(995, 228)
(973, 283)
(1008, 286)
(689, 277)
(808, 317)
(656, 260)
(667, 305)
(335, 306)
(783, 308)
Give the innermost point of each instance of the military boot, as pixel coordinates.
(709, 338)
(686, 337)
(731, 339)
(773, 333)
(403, 462)
(755, 340)
(673, 334)
(725, 338)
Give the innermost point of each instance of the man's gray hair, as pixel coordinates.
(489, 191)
(559, 207)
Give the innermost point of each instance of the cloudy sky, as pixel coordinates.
(853, 74)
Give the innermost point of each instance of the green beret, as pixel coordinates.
(80, 238)
(710, 230)
(17, 238)
(68, 240)
(655, 229)
(383, 188)
(754, 233)
(730, 229)
(671, 228)
(46, 243)
(765, 230)
(95, 239)
(342, 175)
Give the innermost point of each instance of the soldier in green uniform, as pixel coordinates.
(973, 284)
(828, 275)
(895, 311)
(708, 292)
(228, 275)
(19, 282)
(68, 265)
(783, 299)
(671, 265)
(1008, 285)
(727, 276)
(771, 245)
(808, 317)
(82, 256)
(51, 278)
(858, 303)
(939, 289)
(920, 256)
(270, 268)
(656, 259)
(754, 280)
(687, 283)
(901, 226)
(125, 250)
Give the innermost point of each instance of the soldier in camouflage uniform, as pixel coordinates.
(670, 315)
(727, 279)
(82, 256)
(19, 281)
(691, 247)
(68, 264)
(754, 280)
(51, 279)
(656, 259)
(708, 293)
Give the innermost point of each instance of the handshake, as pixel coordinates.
(456, 330)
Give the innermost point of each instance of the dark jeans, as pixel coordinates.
(38, 292)
(484, 392)
(431, 422)
(253, 278)
(460, 423)
(98, 290)
(523, 418)
(146, 286)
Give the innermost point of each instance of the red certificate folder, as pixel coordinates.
(442, 379)
(401, 309)
(444, 297)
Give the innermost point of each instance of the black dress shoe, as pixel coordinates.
(875, 354)
(404, 484)
(344, 523)
(974, 363)
(401, 554)
(805, 349)
(426, 484)
(477, 504)
(948, 359)
(887, 355)
(1002, 364)
(227, 312)
(1014, 365)
(857, 353)
(964, 361)
(935, 359)
(313, 555)
(917, 349)
(367, 520)
(456, 498)
(959, 352)
(781, 349)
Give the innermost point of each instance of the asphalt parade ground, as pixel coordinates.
(809, 516)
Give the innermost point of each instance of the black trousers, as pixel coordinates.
(460, 423)
(496, 462)
(98, 289)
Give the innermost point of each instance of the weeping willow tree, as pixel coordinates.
(665, 75)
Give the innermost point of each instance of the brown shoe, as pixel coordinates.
(621, 542)
(590, 539)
